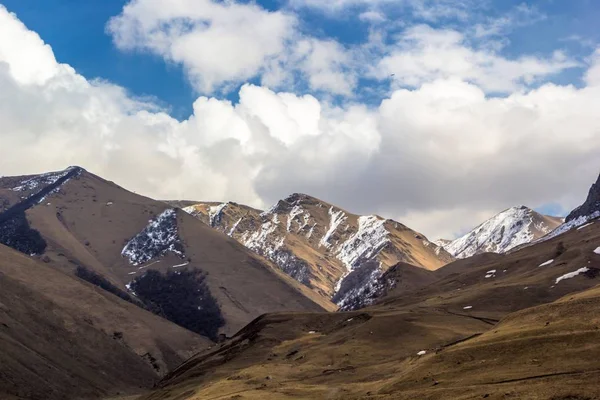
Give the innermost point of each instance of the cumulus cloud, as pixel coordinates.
(224, 43)
(217, 43)
(439, 157)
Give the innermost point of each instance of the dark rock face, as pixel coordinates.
(181, 297)
(591, 205)
(362, 284)
(17, 233)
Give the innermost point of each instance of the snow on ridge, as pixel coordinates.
(336, 218)
(366, 243)
(189, 209)
(311, 231)
(442, 242)
(572, 274)
(504, 231)
(295, 211)
(47, 178)
(259, 239)
(597, 251)
(158, 238)
(545, 264)
(271, 210)
(214, 213)
(567, 226)
(234, 227)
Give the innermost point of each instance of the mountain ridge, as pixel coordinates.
(322, 245)
(89, 221)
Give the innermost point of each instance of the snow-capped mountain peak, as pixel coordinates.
(322, 245)
(504, 231)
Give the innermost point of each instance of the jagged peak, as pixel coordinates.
(590, 206)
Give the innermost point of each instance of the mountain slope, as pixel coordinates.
(336, 253)
(505, 231)
(496, 326)
(64, 338)
(92, 223)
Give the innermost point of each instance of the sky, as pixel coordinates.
(438, 114)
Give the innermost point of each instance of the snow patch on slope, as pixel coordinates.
(372, 236)
(545, 264)
(234, 227)
(336, 218)
(215, 213)
(297, 210)
(572, 274)
(157, 239)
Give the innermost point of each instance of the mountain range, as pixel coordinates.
(336, 253)
(106, 294)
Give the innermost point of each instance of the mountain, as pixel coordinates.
(503, 232)
(89, 259)
(591, 206)
(84, 225)
(520, 325)
(63, 338)
(442, 242)
(337, 254)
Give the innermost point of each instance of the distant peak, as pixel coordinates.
(294, 197)
(519, 208)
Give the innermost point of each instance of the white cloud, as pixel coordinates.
(224, 43)
(217, 43)
(592, 76)
(424, 54)
(438, 157)
(26, 67)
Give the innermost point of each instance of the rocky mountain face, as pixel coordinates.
(590, 206)
(338, 254)
(582, 216)
(503, 232)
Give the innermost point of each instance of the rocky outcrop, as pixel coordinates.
(591, 205)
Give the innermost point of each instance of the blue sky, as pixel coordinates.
(76, 31)
(438, 114)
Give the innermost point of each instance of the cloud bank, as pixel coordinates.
(439, 153)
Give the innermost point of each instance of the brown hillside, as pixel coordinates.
(64, 338)
(513, 334)
(88, 221)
